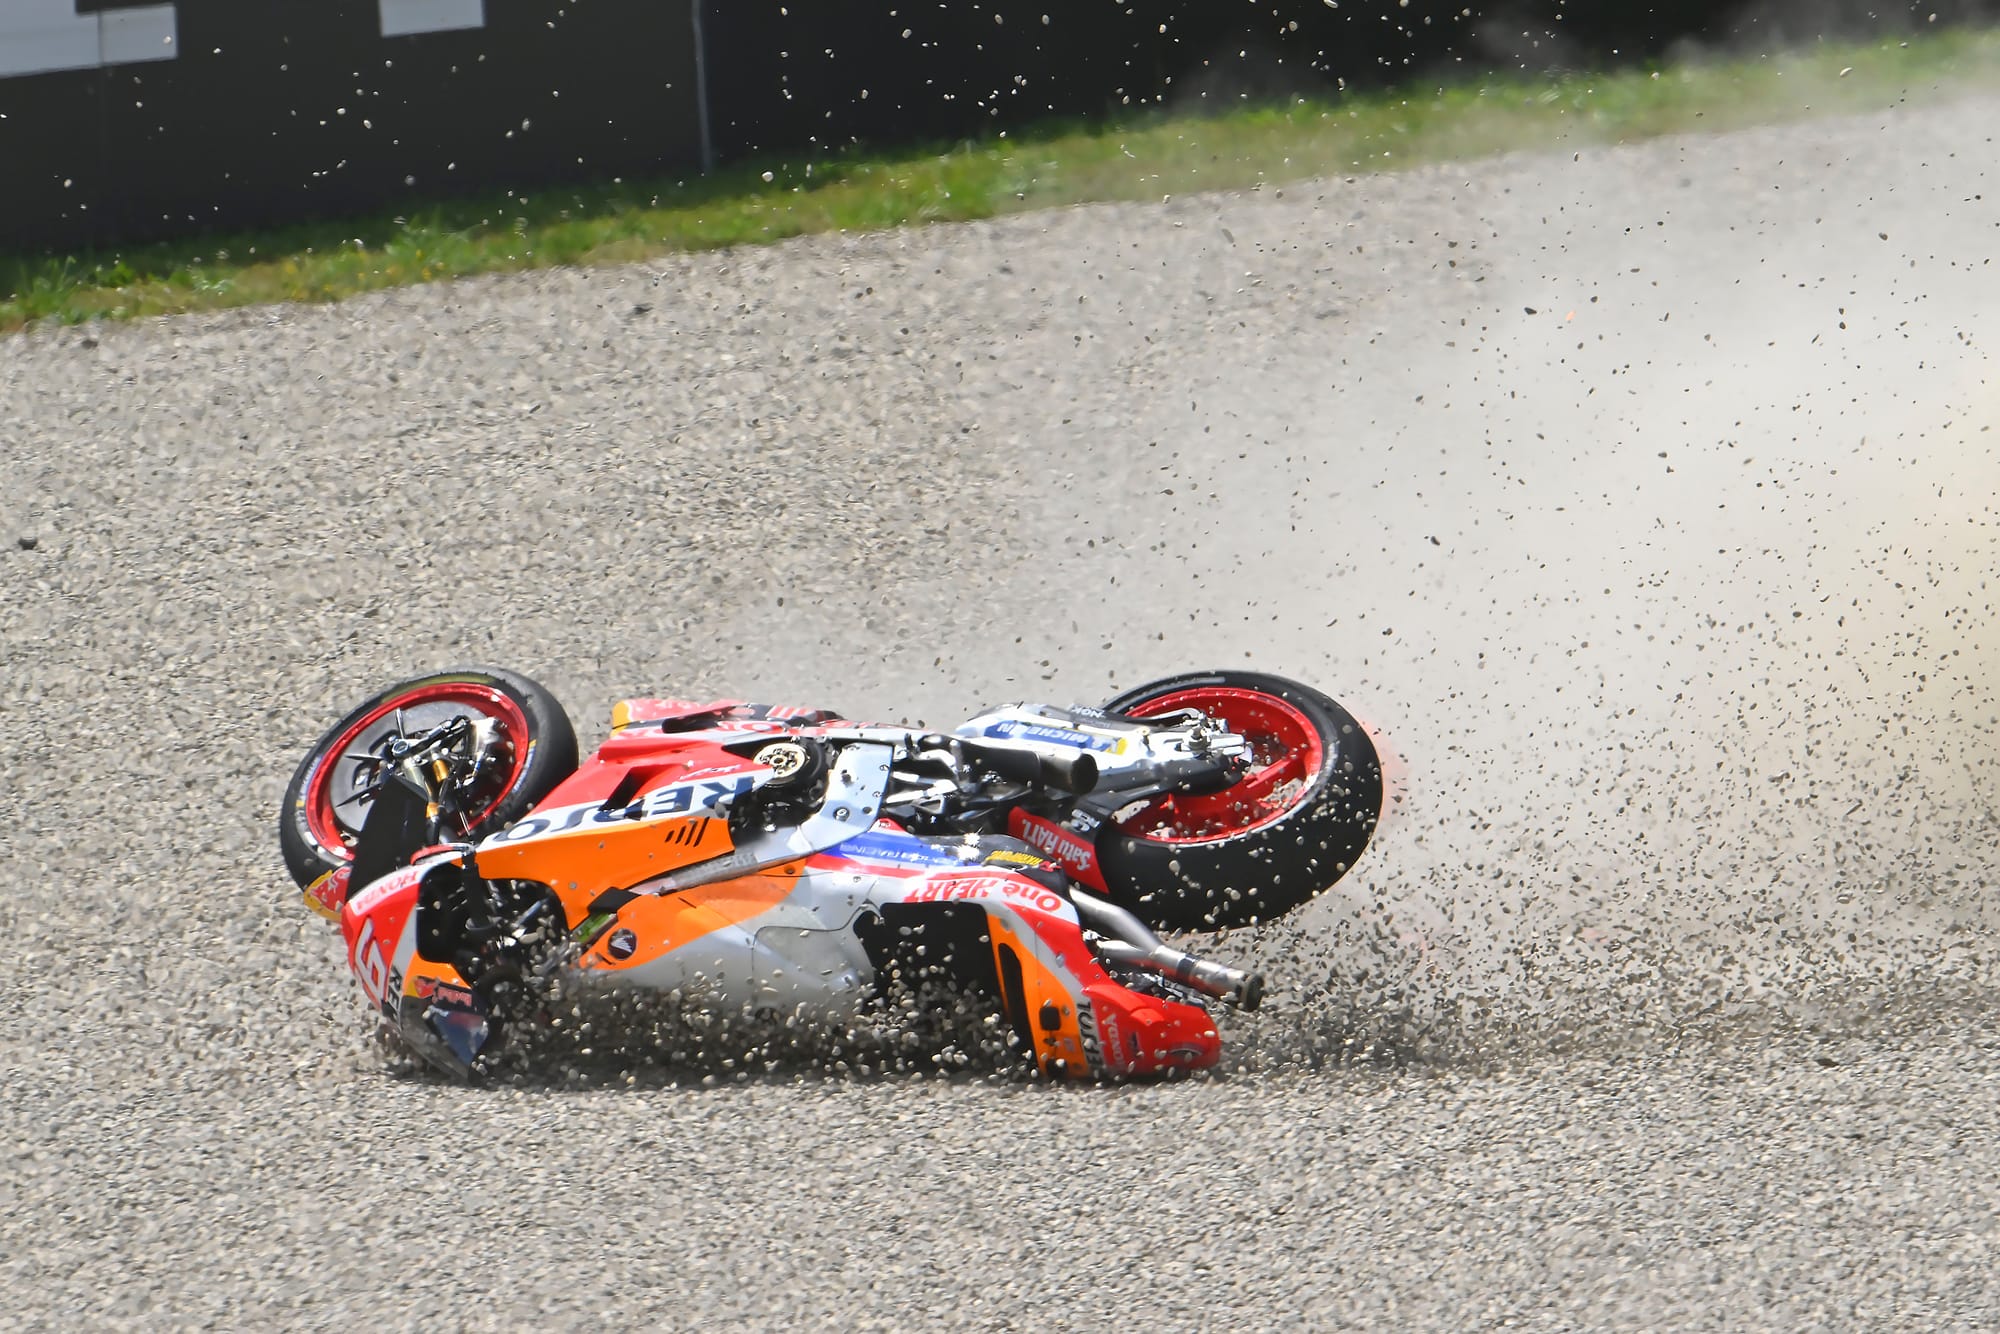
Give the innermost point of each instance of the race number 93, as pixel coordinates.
(370, 964)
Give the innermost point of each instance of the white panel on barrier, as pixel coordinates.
(401, 18)
(129, 35)
(48, 36)
(32, 44)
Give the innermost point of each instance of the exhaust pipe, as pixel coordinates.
(1129, 941)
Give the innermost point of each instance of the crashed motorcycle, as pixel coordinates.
(789, 863)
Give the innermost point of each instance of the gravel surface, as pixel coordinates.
(1644, 498)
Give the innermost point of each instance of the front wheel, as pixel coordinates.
(1286, 830)
(532, 748)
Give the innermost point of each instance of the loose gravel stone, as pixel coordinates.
(1643, 498)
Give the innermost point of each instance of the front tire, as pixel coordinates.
(325, 803)
(1285, 831)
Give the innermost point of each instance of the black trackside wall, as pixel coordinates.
(132, 119)
(791, 74)
(229, 113)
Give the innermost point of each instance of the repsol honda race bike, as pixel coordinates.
(786, 862)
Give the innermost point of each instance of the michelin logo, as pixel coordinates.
(1014, 730)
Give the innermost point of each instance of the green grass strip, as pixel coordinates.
(1145, 158)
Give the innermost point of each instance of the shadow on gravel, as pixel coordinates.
(1362, 1023)
(653, 1044)
(597, 1039)
(1308, 1037)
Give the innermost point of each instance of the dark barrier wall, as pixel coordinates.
(1305, 46)
(784, 74)
(152, 119)
(268, 112)
(787, 74)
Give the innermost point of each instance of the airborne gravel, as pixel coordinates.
(1642, 497)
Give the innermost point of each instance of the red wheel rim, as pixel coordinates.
(340, 775)
(1286, 756)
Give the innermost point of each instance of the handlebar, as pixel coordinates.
(408, 756)
(1075, 774)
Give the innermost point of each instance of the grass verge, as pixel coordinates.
(1149, 157)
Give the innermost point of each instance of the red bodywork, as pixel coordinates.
(1075, 1017)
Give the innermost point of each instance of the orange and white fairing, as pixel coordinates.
(813, 918)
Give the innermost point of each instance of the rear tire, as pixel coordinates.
(323, 808)
(1229, 860)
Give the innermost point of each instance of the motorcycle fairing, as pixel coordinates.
(440, 1016)
(637, 844)
(795, 939)
(378, 925)
(853, 800)
(1062, 845)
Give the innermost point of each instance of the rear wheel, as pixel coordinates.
(532, 748)
(1282, 833)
